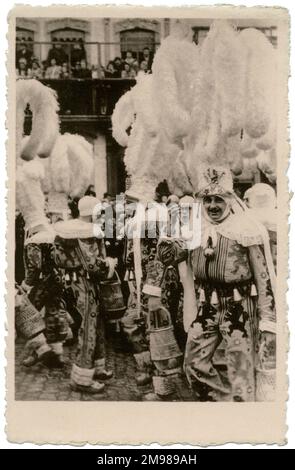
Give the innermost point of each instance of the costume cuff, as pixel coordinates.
(267, 325)
(82, 376)
(57, 348)
(149, 289)
(26, 286)
(100, 364)
(42, 349)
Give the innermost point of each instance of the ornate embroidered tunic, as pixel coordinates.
(82, 265)
(46, 289)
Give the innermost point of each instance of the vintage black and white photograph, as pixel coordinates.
(146, 207)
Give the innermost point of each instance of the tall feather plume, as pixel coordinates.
(147, 155)
(30, 199)
(80, 155)
(234, 92)
(174, 69)
(122, 118)
(260, 73)
(45, 122)
(71, 165)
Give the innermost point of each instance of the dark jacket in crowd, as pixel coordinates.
(58, 54)
(77, 55)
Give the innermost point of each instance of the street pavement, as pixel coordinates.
(40, 383)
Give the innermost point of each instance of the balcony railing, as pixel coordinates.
(89, 98)
(96, 54)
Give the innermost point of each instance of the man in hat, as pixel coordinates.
(234, 286)
(80, 257)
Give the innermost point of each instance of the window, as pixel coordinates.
(136, 40)
(23, 34)
(200, 34)
(67, 34)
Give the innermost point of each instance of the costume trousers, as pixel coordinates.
(91, 335)
(235, 323)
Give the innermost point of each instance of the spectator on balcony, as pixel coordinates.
(128, 71)
(65, 73)
(143, 67)
(110, 70)
(85, 72)
(78, 53)
(129, 58)
(23, 52)
(148, 58)
(57, 53)
(94, 71)
(22, 68)
(54, 71)
(35, 71)
(43, 67)
(118, 66)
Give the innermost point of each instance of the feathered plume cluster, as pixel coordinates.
(45, 123)
(69, 168)
(30, 199)
(174, 70)
(148, 148)
(233, 116)
(202, 104)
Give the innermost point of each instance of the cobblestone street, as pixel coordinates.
(40, 383)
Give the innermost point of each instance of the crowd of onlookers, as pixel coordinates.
(69, 60)
(129, 66)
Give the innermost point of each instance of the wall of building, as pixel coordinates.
(107, 30)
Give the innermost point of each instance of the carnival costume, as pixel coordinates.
(41, 283)
(230, 269)
(81, 259)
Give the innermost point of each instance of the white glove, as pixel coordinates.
(112, 262)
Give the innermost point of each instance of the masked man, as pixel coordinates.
(234, 287)
(80, 257)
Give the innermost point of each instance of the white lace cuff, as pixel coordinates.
(149, 289)
(267, 325)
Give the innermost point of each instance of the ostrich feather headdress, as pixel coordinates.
(45, 122)
(30, 199)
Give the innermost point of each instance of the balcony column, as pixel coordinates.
(166, 27)
(107, 38)
(43, 51)
(100, 165)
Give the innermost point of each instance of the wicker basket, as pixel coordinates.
(163, 345)
(265, 384)
(265, 375)
(163, 385)
(28, 320)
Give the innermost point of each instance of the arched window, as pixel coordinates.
(24, 46)
(140, 36)
(71, 33)
(68, 34)
(23, 34)
(200, 33)
(136, 40)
